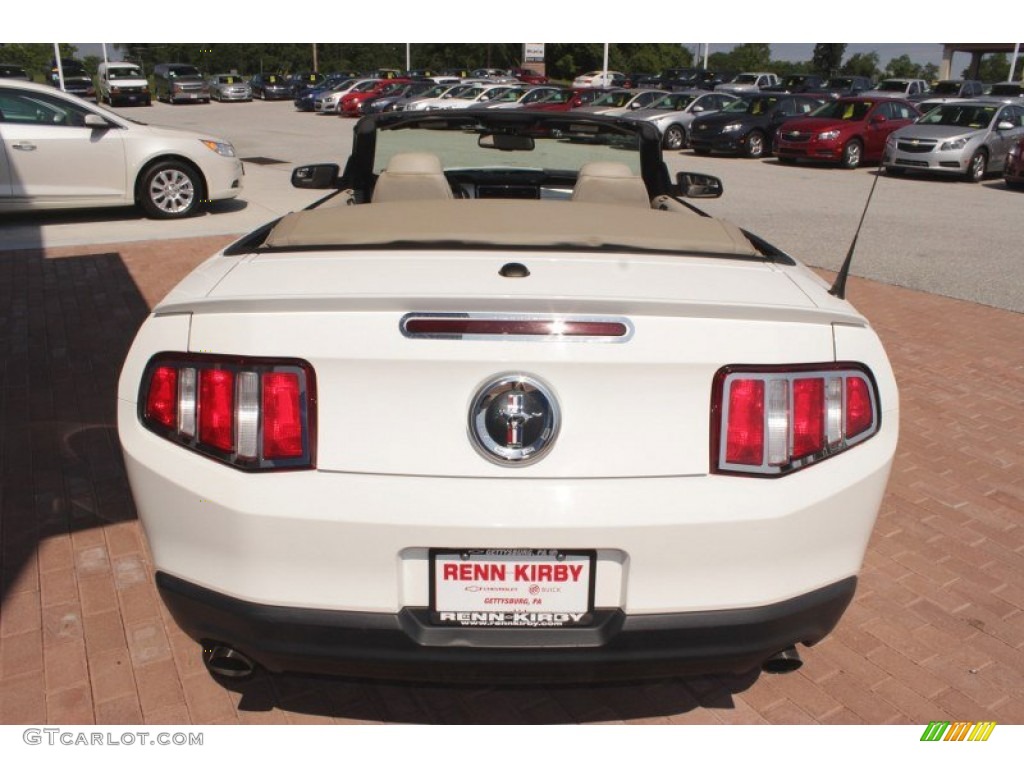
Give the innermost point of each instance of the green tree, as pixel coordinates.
(34, 57)
(751, 56)
(994, 68)
(784, 68)
(902, 66)
(827, 58)
(651, 57)
(863, 64)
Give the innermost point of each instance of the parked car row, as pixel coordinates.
(796, 118)
(971, 138)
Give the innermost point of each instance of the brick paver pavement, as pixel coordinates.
(936, 630)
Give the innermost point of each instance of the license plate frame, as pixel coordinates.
(536, 588)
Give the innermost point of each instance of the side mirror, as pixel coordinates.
(698, 185)
(878, 118)
(95, 121)
(320, 176)
(1005, 125)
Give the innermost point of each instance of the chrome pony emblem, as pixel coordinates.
(513, 420)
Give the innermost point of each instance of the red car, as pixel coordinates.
(349, 106)
(583, 96)
(556, 101)
(847, 131)
(530, 76)
(1013, 172)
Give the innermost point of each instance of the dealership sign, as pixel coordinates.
(533, 52)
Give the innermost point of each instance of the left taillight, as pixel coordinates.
(252, 413)
(770, 421)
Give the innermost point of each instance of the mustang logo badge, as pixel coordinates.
(516, 417)
(513, 420)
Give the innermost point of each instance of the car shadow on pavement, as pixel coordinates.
(408, 703)
(66, 333)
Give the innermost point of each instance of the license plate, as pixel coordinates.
(512, 588)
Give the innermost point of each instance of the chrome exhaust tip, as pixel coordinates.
(225, 661)
(783, 662)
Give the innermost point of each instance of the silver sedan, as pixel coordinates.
(673, 113)
(230, 88)
(968, 138)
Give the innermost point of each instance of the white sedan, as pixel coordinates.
(505, 407)
(466, 96)
(602, 78)
(58, 151)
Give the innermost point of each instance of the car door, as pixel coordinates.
(1000, 141)
(5, 171)
(881, 121)
(645, 100)
(53, 156)
(783, 111)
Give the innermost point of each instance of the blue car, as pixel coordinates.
(306, 99)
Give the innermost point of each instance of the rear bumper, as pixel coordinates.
(406, 646)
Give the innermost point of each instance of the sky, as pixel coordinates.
(465, 21)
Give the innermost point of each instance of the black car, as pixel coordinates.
(266, 85)
(746, 126)
(1007, 89)
(679, 78)
(76, 79)
(300, 81)
(389, 101)
(798, 84)
(707, 79)
(14, 72)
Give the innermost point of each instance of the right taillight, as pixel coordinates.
(251, 413)
(770, 421)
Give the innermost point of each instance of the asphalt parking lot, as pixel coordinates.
(936, 631)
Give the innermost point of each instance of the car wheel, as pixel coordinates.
(675, 137)
(977, 167)
(853, 153)
(755, 145)
(170, 190)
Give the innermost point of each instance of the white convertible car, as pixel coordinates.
(504, 406)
